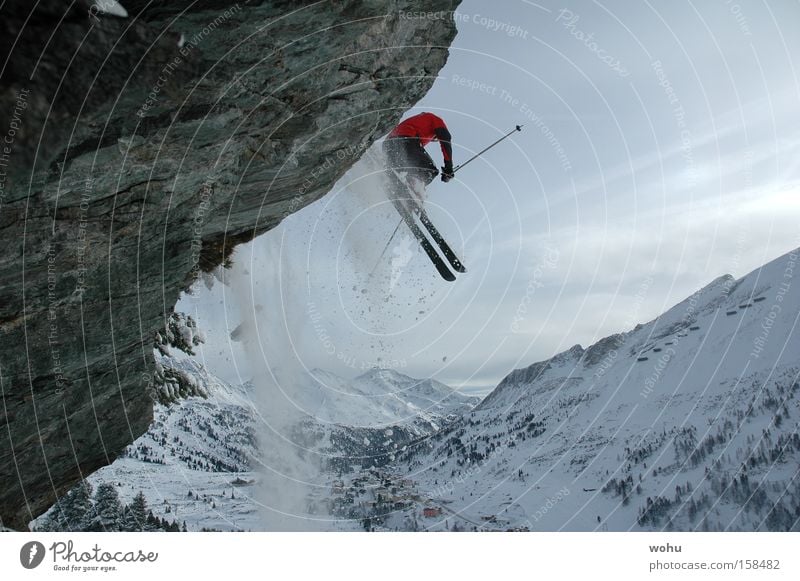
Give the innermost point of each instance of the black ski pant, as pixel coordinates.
(407, 154)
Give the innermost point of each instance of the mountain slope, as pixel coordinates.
(689, 421)
(381, 398)
(197, 462)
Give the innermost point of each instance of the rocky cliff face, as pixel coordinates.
(140, 150)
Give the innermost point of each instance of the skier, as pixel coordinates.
(405, 148)
(405, 153)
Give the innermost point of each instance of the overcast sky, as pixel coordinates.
(660, 150)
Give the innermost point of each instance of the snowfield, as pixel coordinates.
(687, 422)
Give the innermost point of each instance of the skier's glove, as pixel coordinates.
(447, 171)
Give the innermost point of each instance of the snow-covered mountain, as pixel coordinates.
(381, 398)
(196, 462)
(688, 422)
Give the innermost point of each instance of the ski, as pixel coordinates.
(451, 257)
(437, 261)
(408, 218)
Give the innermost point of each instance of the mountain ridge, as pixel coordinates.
(648, 428)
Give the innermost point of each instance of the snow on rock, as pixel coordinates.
(110, 7)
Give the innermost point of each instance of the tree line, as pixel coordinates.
(101, 510)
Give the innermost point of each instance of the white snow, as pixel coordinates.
(676, 409)
(111, 7)
(379, 398)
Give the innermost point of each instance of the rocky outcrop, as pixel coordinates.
(139, 151)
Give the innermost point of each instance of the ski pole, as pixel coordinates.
(458, 167)
(385, 248)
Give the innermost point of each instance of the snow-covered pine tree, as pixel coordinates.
(135, 515)
(78, 507)
(56, 519)
(153, 524)
(172, 383)
(106, 514)
(180, 332)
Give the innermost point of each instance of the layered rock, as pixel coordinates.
(142, 150)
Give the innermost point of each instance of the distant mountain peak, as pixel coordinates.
(385, 373)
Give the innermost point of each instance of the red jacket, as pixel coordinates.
(426, 127)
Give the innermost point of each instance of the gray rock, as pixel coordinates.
(135, 163)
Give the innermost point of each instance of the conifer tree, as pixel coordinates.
(106, 514)
(78, 507)
(136, 514)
